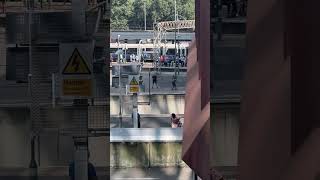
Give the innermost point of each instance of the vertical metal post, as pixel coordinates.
(195, 177)
(120, 98)
(118, 48)
(175, 49)
(53, 90)
(149, 85)
(145, 16)
(81, 141)
(175, 10)
(219, 22)
(135, 110)
(79, 30)
(81, 159)
(33, 164)
(125, 52)
(79, 18)
(38, 139)
(30, 36)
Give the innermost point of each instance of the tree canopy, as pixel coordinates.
(129, 14)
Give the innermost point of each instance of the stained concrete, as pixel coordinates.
(126, 155)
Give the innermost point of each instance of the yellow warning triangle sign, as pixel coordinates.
(76, 64)
(134, 81)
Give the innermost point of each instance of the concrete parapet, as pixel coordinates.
(159, 104)
(153, 154)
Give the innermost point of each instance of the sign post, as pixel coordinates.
(76, 84)
(76, 70)
(133, 84)
(134, 88)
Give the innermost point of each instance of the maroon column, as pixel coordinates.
(279, 128)
(264, 147)
(196, 131)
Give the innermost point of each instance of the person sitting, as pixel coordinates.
(175, 121)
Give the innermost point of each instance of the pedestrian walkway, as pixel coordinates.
(164, 80)
(167, 173)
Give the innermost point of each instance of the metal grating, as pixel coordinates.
(49, 111)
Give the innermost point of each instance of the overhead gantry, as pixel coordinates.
(159, 33)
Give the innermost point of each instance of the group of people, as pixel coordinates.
(179, 61)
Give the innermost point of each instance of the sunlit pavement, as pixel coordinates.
(167, 173)
(164, 84)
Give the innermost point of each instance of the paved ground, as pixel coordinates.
(61, 173)
(164, 83)
(168, 173)
(52, 173)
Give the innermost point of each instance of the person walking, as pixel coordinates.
(138, 120)
(174, 82)
(155, 80)
(141, 85)
(161, 60)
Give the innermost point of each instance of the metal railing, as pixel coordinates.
(22, 5)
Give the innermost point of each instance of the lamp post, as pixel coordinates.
(125, 51)
(118, 48)
(175, 37)
(120, 89)
(175, 51)
(175, 10)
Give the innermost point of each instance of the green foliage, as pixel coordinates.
(129, 14)
(121, 11)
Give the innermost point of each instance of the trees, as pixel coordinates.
(121, 11)
(136, 21)
(130, 13)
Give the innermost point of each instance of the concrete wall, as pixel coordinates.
(160, 104)
(55, 150)
(225, 136)
(58, 151)
(145, 155)
(14, 137)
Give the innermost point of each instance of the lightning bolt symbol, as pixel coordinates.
(76, 63)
